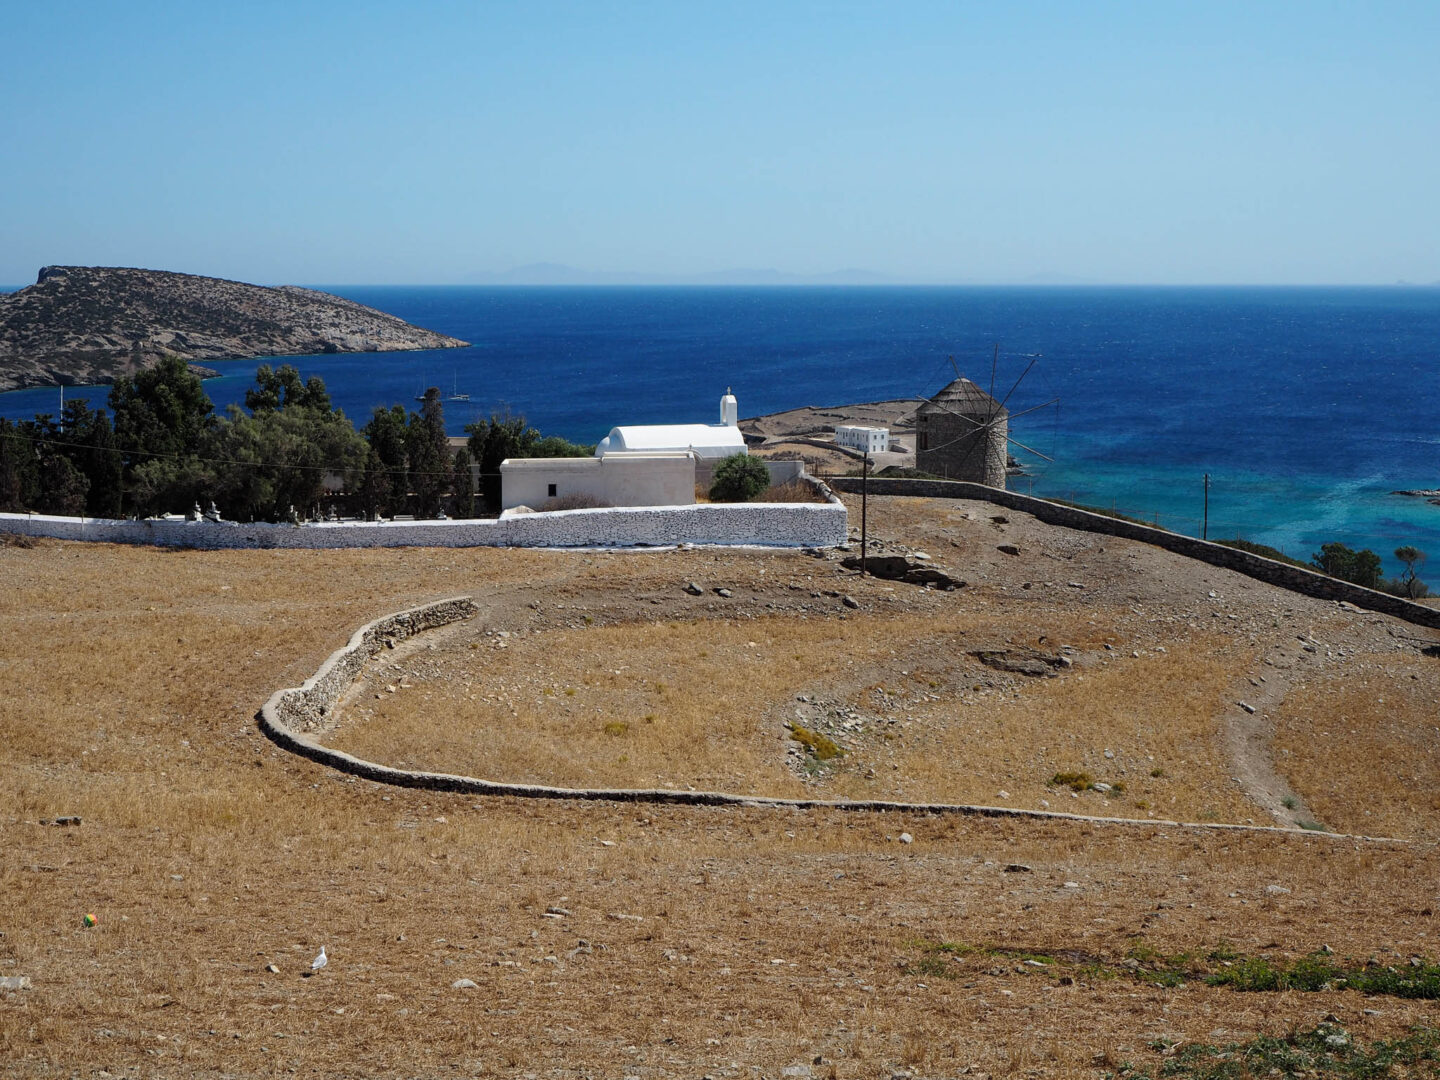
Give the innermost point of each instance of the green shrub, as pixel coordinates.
(821, 746)
(739, 478)
(1075, 781)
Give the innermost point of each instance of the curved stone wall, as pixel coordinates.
(291, 717)
(1294, 578)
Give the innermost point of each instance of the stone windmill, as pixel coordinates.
(963, 433)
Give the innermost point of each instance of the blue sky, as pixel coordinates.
(348, 143)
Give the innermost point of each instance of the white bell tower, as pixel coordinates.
(729, 409)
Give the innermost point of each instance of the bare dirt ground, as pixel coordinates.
(651, 941)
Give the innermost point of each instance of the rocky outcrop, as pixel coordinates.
(83, 325)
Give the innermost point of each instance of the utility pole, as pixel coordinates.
(864, 506)
(1205, 521)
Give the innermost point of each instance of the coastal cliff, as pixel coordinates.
(83, 325)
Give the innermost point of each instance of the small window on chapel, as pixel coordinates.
(551, 492)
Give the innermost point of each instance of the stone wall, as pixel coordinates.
(292, 717)
(1294, 578)
(762, 524)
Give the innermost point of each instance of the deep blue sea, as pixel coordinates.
(1307, 406)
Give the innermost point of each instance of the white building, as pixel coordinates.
(709, 442)
(635, 465)
(868, 440)
(629, 479)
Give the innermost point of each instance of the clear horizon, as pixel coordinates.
(934, 143)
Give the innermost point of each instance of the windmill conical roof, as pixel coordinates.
(963, 396)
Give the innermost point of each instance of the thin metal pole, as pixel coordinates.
(864, 506)
(1205, 526)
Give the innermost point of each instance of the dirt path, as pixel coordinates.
(1248, 734)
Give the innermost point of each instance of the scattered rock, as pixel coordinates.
(464, 984)
(724, 592)
(1029, 662)
(694, 589)
(850, 602)
(900, 568)
(1008, 549)
(1017, 868)
(1277, 890)
(906, 838)
(272, 969)
(1246, 706)
(14, 982)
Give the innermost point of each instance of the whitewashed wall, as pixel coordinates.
(766, 524)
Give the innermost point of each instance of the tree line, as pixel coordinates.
(162, 447)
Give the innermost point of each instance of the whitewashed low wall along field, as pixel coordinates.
(763, 524)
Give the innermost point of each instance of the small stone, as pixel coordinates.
(272, 969)
(1100, 787)
(464, 984)
(560, 911)
(724, 592)
(1007, 549)
(693, 589)
(1003, 794)
(850, 602)
(15, 982)
(1277, 890)
(1017, 868)
(1072, 884)
(1246, 706)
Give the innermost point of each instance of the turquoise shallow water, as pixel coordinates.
(1306, 406)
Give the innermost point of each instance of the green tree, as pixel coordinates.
(738, 478)
(463, 485)
(428, 450)
(1410, 578)
(162, 417)
(88, 440)
(63, 487)
(504, 435)
(282, 388)
(386, 435)
(280, 455)
(1340, 561)
(19, 468)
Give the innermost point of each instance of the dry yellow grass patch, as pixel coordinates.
(1362, 746)
(706, 705)
(207, 855)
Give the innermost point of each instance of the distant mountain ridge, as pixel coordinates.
(561, 274)
(83, 325)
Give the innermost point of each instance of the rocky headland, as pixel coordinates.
(84, 325)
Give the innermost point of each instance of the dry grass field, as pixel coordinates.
(654, 941)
